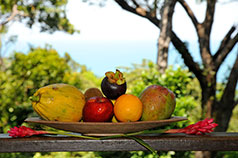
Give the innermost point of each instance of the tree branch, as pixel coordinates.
(150, 11)
(225, 48)
(178, 44)
(135, 3)
(188, 59)
(225, 41)
(15, 11)
(229, 91)
(210, 10)
(138, 11)
(190, 13)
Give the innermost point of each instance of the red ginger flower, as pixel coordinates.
(24, 131)
(199, 128)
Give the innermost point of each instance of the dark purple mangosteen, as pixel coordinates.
(113, 85)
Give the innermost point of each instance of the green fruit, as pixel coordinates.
(158, 103)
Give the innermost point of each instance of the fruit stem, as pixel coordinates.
(34, 98)
(143, 143)
(117, 74)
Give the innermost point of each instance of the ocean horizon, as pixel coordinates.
(102, 56)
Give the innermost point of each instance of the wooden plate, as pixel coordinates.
(105, 128)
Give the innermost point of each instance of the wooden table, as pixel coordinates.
(164, 142)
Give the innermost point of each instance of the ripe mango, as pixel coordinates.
(158, 103)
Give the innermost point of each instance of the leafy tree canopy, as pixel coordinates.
(50, 14)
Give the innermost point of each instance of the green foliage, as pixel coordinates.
(227, 154)
(50, 14)
(22, 77)
(142, 154)
(188, 107)
(89, 79)
(66, 155)
(16, 155)
(147, 74)
(114, 154)
(233, 126)
(25, 74)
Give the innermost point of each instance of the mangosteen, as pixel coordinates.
(113, 84)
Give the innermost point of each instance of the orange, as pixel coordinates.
(128, 108)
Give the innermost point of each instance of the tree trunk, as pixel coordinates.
(208, 99)
(165, 34)
(224, 108)
(220, 110)
(223, 116)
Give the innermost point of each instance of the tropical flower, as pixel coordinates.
(24, 131)
(199, 128)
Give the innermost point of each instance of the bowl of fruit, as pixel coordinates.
(106, 111)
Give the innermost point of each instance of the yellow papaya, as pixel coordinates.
(59, 102)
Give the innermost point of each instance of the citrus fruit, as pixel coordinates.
(128, 108)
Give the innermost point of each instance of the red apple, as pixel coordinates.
(98, 109)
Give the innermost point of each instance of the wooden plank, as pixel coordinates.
(165, 142)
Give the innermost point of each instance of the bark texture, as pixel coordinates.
(165, 35)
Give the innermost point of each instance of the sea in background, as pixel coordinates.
(111, 37)
(102, 56)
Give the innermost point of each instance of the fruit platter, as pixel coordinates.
(106, 111)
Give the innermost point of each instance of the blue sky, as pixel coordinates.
(112, 37)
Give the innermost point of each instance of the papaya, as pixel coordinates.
(59, 102)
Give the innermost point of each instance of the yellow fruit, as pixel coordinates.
(128, 108)
(59, 102)
(114, 119)
(113, 101)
